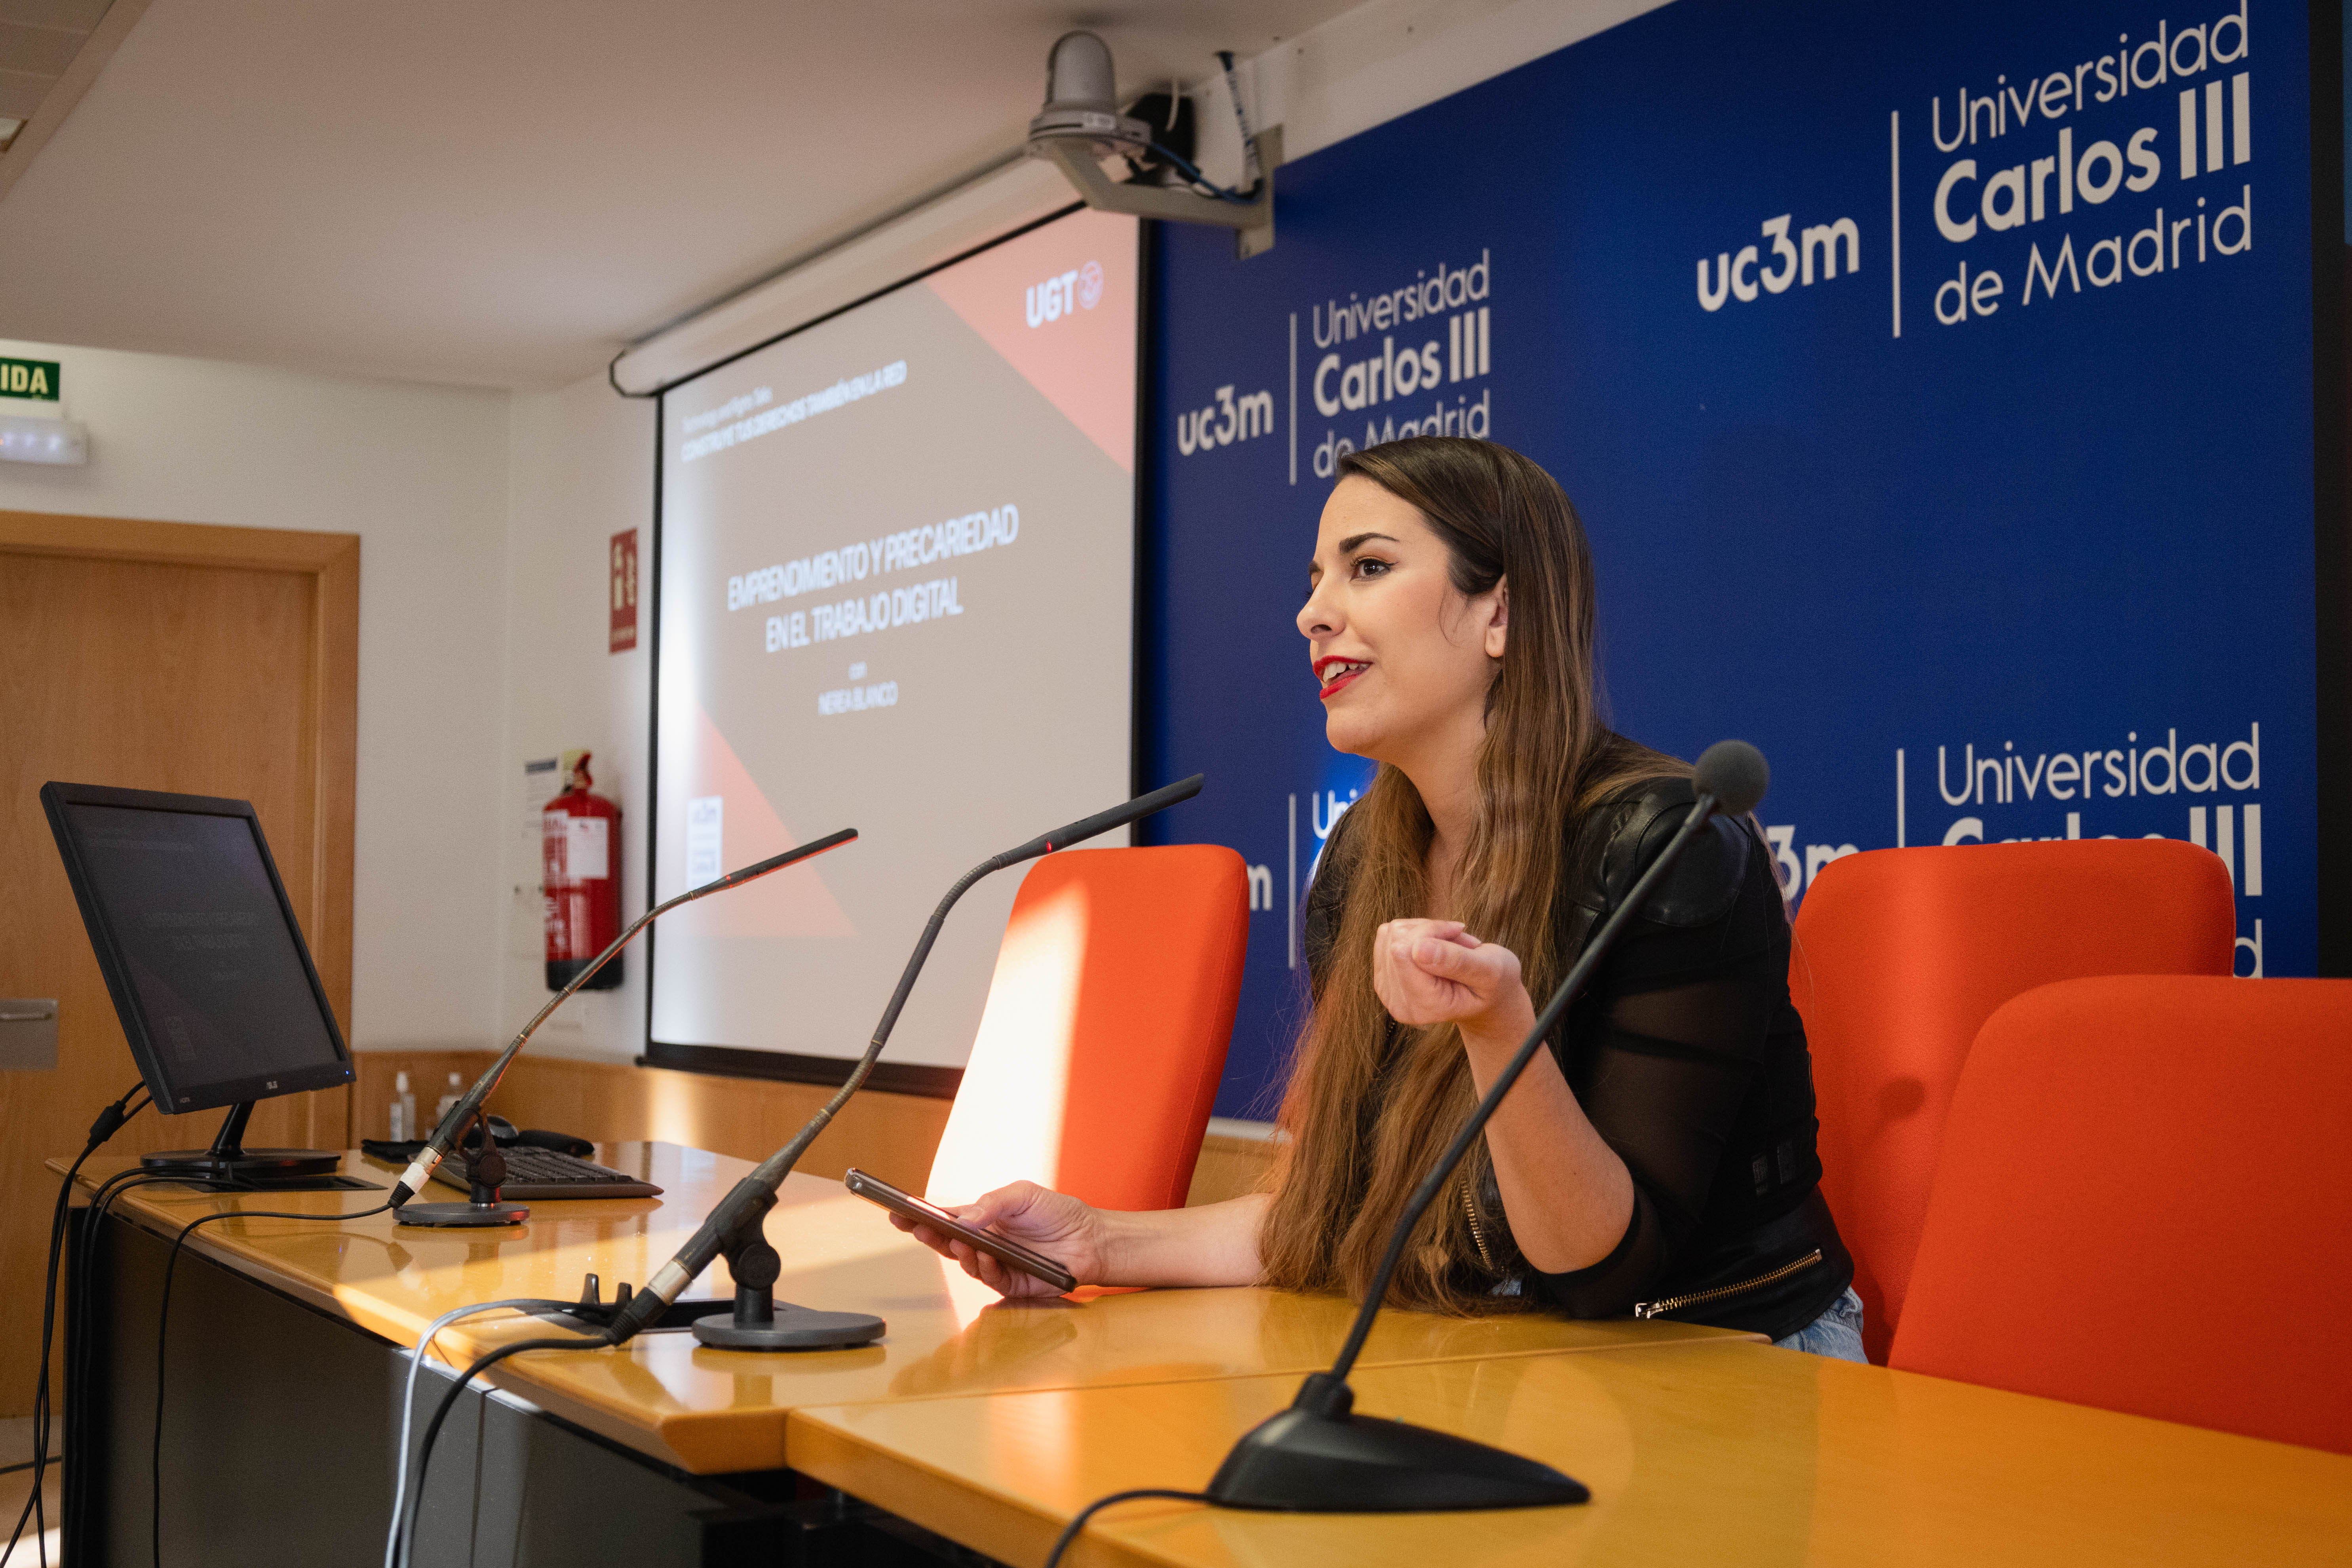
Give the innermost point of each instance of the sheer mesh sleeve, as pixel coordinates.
(1664, 1049)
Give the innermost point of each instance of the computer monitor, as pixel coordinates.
(207, 968)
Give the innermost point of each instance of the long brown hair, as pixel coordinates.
(1371, 1104)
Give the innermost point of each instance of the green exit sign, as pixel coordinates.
(29, 378)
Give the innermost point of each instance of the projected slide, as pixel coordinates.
(896, 594)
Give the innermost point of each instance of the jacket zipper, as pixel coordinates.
(1693, 1298)
(1470, 1207)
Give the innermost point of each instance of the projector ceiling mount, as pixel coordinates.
(1081, 125)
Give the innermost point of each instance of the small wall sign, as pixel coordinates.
(625, 591)
(34, 378)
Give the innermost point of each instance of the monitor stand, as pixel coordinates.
(229, 1160)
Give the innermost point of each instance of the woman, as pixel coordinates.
(1659, 1158)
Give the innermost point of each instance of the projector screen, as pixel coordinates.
(896, 593)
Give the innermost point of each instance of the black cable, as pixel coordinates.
(1202, 181)
(1250, 164)
(110, 1121)
(24, 1465)
(80, 1363)
(42, 1538)
(1070, 1530)
(41, 1456)
(162, 1335)
(596, 1340)
(81, 1367)
(76, 1338)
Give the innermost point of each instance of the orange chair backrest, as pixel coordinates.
(1899, 957)
(1104, 1036)
(2142, 1204)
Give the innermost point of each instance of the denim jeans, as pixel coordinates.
(1837, 1332)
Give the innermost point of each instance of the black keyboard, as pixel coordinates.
(547, 1175)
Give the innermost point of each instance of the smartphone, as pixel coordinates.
(1012, 1254)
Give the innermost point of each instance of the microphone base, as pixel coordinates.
(462, 1215)
(1302, 1462)
(789, 1328)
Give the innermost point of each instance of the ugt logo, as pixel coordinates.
(1063, 295)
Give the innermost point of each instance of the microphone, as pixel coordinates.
(733, 1226)
(1120, 815)
(1318, 1458)
(452, 1126)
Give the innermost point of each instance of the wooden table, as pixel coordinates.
(1717, 1453)
(712, 1412)
(992, 1424)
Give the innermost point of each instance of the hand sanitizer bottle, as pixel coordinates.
(456, 1092)
(403, 1109)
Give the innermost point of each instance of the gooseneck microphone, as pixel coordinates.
(1318, 1458)
(452, 1126)
(733, 1227)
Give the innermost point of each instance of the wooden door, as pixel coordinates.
(202, 660)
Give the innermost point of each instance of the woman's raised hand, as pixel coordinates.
(1435, 972)
(1039, 1218)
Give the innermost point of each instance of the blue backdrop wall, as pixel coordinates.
(1937, 388)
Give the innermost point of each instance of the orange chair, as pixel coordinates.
(1901, 955)
(1105, 1034)
(2142, 1203)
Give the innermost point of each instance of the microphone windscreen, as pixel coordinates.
(1735, 774)
(1120, 815)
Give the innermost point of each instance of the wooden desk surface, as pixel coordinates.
(1723, 1453)
(711, 1411)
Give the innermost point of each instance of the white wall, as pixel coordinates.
(420, 474)
(582, 469)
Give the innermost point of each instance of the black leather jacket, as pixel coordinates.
(1690, 1061)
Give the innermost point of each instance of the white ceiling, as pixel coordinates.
(39, 39)
(504, 192)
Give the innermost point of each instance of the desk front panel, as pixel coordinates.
(711, 1411)
(1719, 1453)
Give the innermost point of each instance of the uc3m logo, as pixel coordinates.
(1738, 276)
(1227, 420)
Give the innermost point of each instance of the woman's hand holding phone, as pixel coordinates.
(1043, 1220)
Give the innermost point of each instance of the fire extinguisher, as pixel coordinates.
(580, 833)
